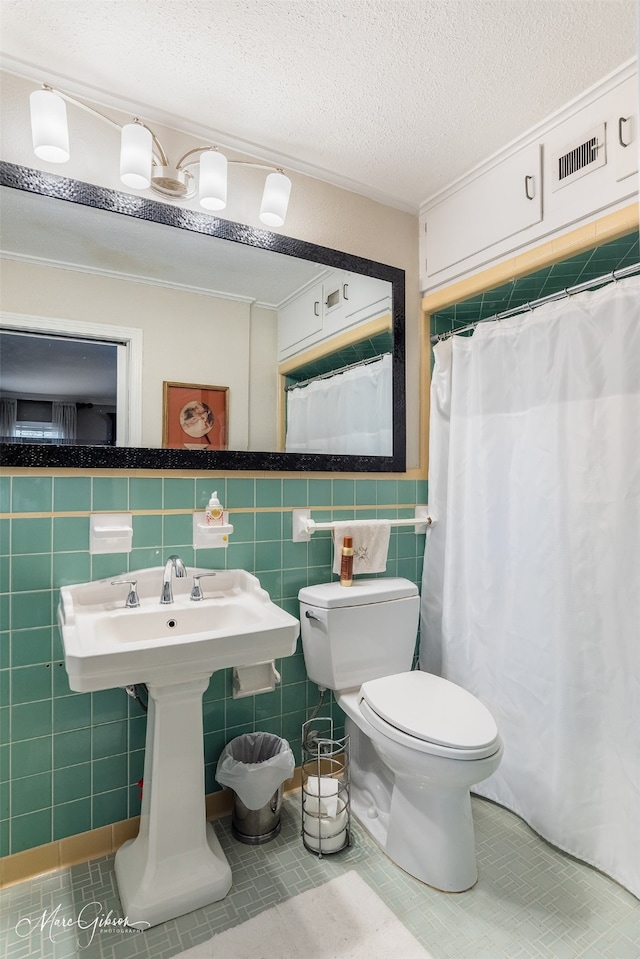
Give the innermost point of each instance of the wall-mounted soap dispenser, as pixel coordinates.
(211, 529)
(214, 514)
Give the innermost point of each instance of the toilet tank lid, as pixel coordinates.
(363, 591)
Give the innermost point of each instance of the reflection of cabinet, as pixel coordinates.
(364, 295)
(570, 169)
(300, 319)
(340, 302)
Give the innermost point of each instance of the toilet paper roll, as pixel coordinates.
(314, 806)
(326, 833)
(326, 789)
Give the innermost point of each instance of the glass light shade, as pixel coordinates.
(212, 191)
(275, 199)
(49, 126)
(136, 150)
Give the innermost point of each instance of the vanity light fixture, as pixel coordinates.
(144, 164)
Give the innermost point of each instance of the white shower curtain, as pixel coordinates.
(349, 412)
(531, 590)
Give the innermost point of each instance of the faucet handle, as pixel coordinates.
(133, 600)
(196, 592)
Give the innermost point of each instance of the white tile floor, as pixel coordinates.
(531, 900)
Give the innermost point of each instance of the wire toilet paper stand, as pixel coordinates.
(326, 805)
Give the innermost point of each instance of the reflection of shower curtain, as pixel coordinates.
(531, 591)
(349, 412)
(65, 419)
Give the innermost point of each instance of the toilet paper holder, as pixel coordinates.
(251, 680)
(326, 805)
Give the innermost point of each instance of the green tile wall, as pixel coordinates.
(576, 269)
(70, 762)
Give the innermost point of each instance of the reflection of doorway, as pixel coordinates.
(66, 382)
(65, 389)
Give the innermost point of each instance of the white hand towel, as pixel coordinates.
(370, 544)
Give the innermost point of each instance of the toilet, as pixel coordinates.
(417, 742)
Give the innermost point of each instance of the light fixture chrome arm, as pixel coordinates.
(83, 106)
(162, 156)
(198, 151)
(259, 166)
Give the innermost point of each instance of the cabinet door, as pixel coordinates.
(500, 202)
(624, 137)
(365, 296)
(300, 319)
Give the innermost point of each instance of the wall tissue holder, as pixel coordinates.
(210, 537)
(250, 680)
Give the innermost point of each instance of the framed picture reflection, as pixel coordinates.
(195, 417)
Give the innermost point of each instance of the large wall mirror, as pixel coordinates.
(130, 327)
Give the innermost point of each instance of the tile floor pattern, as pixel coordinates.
(531, 900)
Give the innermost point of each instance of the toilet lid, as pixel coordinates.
(431, 709)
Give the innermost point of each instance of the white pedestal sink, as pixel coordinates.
(175, 864)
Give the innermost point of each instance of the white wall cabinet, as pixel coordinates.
(624, 136)
(499, 203)
(525, 194)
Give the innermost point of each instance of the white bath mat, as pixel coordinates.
(344, 919)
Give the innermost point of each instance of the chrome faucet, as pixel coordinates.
(173, 564)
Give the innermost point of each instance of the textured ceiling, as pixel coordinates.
(392, 98)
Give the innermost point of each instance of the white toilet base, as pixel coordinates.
(425, 827)
(431, 836)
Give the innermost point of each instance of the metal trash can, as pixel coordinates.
(255, 766)
(256, 826)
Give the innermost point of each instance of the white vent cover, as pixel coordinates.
(579, 158)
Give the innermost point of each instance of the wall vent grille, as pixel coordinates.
(579, 158)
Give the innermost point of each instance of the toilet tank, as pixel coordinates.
(351, 634)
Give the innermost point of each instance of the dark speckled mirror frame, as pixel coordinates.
(119, 457)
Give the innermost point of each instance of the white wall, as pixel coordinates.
(263, 380)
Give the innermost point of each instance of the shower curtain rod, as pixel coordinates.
(330, 373)
(612, 277)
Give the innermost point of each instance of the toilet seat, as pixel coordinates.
(429, 714)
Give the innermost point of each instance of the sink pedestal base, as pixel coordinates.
(175, 864)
